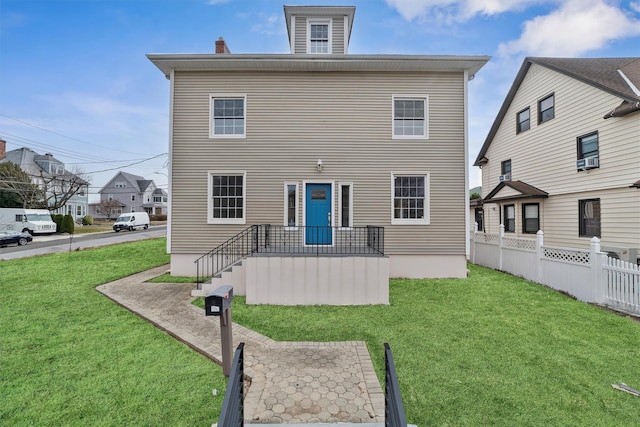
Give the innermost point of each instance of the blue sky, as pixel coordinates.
(74, 79)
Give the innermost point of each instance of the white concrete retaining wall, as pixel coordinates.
(317, 280)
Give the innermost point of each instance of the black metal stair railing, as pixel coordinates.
(394, 415)
(232, 412)
(225, 255)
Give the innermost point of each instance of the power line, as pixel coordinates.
(80, 157)
(59, 151)
(65, 136)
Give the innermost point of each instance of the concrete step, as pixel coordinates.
(232, 275)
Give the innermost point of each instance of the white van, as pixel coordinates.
(33, 221)
(131, 221)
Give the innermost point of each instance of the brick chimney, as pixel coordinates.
(221, 46)
(3, 149)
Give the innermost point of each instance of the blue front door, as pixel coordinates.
(318, 214)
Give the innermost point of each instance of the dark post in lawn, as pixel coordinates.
(218, 303)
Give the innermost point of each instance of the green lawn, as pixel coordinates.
(489, 350)
(71, 357)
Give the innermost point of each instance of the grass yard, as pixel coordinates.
(71, 357)
(491, 350)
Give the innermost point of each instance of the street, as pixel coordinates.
(42, 245)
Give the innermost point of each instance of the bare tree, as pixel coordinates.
(110, 208)
(17, 188)
(58, 188)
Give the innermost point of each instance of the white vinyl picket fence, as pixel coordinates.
(589, 275)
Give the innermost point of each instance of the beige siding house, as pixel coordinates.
(331, 150)
(563, 155)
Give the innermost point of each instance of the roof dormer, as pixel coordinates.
(319, 30)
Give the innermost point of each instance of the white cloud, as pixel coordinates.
(269, 24)
(635, 6)
(577, 27)
(457, 10)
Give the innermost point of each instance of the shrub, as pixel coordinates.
(57, 218)
(87, 220)
(68, 225)
(157, 217)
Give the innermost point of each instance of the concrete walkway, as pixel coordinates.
(291, 382)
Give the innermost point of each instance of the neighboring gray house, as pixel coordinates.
(126, 192)
(563, 155)
(336, 168)
(50, 174)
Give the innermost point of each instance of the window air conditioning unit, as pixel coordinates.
(587, 163)
(506, 177)
(623, 254)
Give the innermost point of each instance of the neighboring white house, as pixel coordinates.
(126, 192)
(368, 147)
(563, 155)
(50, 173)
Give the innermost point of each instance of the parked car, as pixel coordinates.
(17, 237)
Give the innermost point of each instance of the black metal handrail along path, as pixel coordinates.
(269, 239)
(394, 415)
(232, 412)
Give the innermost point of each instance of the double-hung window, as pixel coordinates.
(524, 120)
(546, 108)
(228, 116)
(505, 170)
(530, 218)
(588, 145)
(319, 40)
(510, 218)
(589, 212)
(410, 117)
(410, 198)
(227, 192)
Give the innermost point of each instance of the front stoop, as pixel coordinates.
(234, 276)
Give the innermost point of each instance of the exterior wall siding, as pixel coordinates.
(337, 29)
(300, 42)
(345, 119)
(545, 156)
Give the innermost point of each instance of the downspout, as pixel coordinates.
(170, 168)
(466, 166)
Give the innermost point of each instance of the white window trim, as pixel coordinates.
(339, 199)
(286, 205)
(423, 97)
(427, 200)
(210, 218)
(325, 21)
(212, 96)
